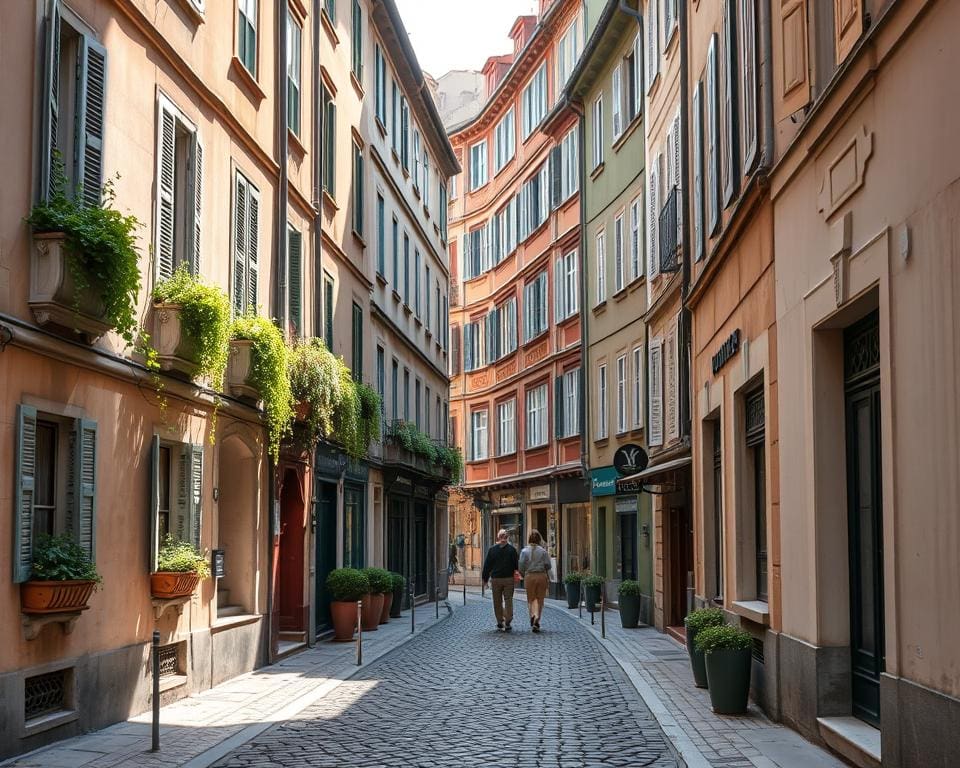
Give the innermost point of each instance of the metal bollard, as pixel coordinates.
(436, 601)
(413, 609)
(464, 590)
(580, 603)
(155, 733)
(603, 612)
(359, 632)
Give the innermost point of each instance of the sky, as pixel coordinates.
(460, 34)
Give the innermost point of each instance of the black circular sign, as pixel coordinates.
(630, 459)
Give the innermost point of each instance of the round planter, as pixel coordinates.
(696, 660)
(573, 593)
(728, 677)
(629, 611)
(592, 597)
(387, 603)
(397, 605)
(166, 585)
(344, 616)
(370, 613)
(55, 596)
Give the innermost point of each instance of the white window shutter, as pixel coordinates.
(653, 264)
(653, 43)
(655, 380)
(253, 246)
(166, 199)
(51, 116)
(197, 207)
(670, 391)
(196, 492)
(154, 501)
(90, 129)
(239, 244)
(677, 172)
(697, 109)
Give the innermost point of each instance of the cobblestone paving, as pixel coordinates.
(465, 695)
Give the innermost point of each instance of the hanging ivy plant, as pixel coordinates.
(406, 435)
(205, 317)
(269, 374)
(451, 458)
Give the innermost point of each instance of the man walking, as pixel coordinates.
(499, 566)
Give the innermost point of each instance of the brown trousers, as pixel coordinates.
(503, 599)
(536, 584)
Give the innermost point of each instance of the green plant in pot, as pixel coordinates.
(572, 582)
(345, 586)
(628, 593)
(180, 567)
(450, 458)
(695, 622)
(63, 576)
(399, 589)
(727, 655)
(381, 592)
(592, 586)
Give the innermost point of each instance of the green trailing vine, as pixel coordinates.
(407, 436)
(182, 557)
(101, 248)
(268, 374)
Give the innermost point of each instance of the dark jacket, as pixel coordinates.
(501, 562)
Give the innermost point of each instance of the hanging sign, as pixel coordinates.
(630, 459)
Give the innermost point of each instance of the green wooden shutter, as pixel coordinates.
(253, 233)
(154, 505)
(195, 209)
(196, 492)
(296, 282)
(25, 486)
(85, 490)
(90, 125)
(166, 199)
(328, 312)
(51, 112)
(239, 242)
(180, 530)
(558, 407)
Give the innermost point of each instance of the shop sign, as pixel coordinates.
(727, 350)
(630, 459)
(509, 498)
(539, 493)
(603, 481)
(626, 504)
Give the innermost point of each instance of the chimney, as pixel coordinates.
(494, 69)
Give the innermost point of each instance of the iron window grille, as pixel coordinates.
(45, 694)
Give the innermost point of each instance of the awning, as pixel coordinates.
(656, 469)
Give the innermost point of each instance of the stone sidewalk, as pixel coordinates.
(197, 731)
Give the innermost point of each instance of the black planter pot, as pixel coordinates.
(591, 597)
(397, 605)
(696, 660)
(728, 676)
(629, 611)
(573, 594)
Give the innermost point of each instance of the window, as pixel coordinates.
(534, 101)
(670, 20)
(406, 394)
(416, 403)
(730, 132)
(380, 86)
(443, 212)
(748, 81)
(533, 203)
(247, 35)
(697, 108)
(426, 294)
(294, 56)
(394, 389)
(246, 245)
(568, 51)
(381, 237)
(357, 342)
(473, 345)
(328, 310)
(653, 212)
(478, 430)
(330, 6)
(536, 425)
(55, 483)
(177, 498)
(382, 387)
(356, 40)
(507, 428)
(655, 382)
(637, 387)
(404, 133)
(616, 100)
(394, 112)
(406, 269)
(566, 286)
(632, 77)
(712, 158)
(598, 131)
(601, 258)
(602, 401)
(416, 281)
(619, 265)
(357, 189)
(636, 262)
(328, 141)
(295, 283)
(567, 404)
(535, 307)
(565, 168)
(652, 59)
(504, 141)
(352, 527)
(500, 331)
(621, 394)
(476, 251)
(179, 188)
(717, 489)
(426, 181)
(671, 383)
(439, 322)
(395, 249)
(445, 326)
(416, 159)
(478, 165)
(755, 440)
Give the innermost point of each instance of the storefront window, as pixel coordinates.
(625, 537)
(576, 544)
(353, 528)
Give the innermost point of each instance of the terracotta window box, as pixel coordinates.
(45, 597)
(168, 585)
(175, 349)
(238, 370)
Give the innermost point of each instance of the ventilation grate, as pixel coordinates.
(44, 694)
(758, 649)
(168, 661)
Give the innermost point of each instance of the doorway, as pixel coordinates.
(420, 548)
(325, 516)
(861, 347)
(290, 603)
(396, 540)
(681, 564)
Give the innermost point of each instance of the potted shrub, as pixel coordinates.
(85, 273)
(629, 598)
(381, 590)
(345, 586)
(180, 566)
(726, 652)
(571, 583)
(63, 577)
(258, 368)
(191, 326)
(399, 588)
(696, 621)
(592, 585)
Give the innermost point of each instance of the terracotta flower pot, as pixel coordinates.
(239, 364)
(344, 616)
(55, 596)
(387, 603)
(170, 584)
(370, 613)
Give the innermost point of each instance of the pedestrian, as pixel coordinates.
(499, 567)
(535, 567)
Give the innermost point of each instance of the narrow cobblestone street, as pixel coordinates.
(463, 694)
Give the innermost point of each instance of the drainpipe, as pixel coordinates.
(317, 173)
(280, 269)
(686, 325)
(625, 8)
(584, 335)
(271, 533)
(766, 49)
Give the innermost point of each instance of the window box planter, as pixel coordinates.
(175, 349)
(167, 585)
(42, 597)
(238, 370)
(54, 297)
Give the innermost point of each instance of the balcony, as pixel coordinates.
(406, 447)
(669, 233)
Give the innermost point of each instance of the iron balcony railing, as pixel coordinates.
(668, 233)
(396, 454)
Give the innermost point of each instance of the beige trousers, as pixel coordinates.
(536, 584)
(503, 599)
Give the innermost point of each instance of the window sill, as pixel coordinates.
(195, 14)
(170, 682)
(329, 201)
(359, 238)
(418, 321)
(506, 455)
(249, 81)
(396, 296)
(652, 88)
(416, 191)
(636, 282)
(597, 171)
(534, 339)
(328, 27)
(294, 141)
(407, 310)
(437, 345)
(756, 611)
(426, 210)
(355, 82)
(628, 131)
(474, 190)
(229, 622)
(601, 441)
(601, 307)
(620, 295)
(396, 157)
(428, 333)
(49, 722)
(406, 172)
(380, 127)
(381, 279)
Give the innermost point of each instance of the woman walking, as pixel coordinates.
(535, 567)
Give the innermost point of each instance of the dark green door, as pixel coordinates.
(865, 515)
(325, 511)
(420, 548)
(396, 540)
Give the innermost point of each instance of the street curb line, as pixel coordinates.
(687, 751)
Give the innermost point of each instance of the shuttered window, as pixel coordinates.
(328, 144)
(479, 442)
(730, 133)
(381, 236)
(357, 342)
(534, 101)
(294, 66)
(478, 165)
(791, 57)
(507, 427)
(328, 310)
(295, 282)
(404, 133)
(671, 384)
(358, 189)
(601, 261)
(637, 387)
(697, 109)
(598, 131)
(176, 494)
(535, 307)
(621, 394)
(655, 383)
(619, 264)
(567, 403)
(536, 419)
(602, 413)
(247, 35)
(394, 389)
(746, 17)
(246, 245)
(504, 141)
(653, 210)
(356, 40)
(566, 283)
(380, 87)
(636, 260)
(712, 140)
(848, 26)
(616, 101)
(652, 60)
